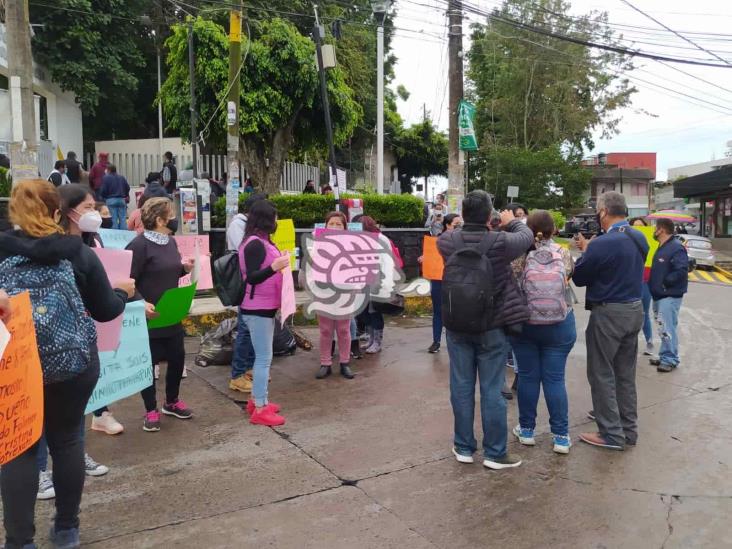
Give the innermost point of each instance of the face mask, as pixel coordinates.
(524, 220)
(106, 223)
(172, 225)
(90, 222)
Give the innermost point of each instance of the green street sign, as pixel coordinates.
(466, 115)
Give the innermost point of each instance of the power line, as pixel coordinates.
(676, 33)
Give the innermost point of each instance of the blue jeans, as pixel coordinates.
(542, 358)
(647, 324)
(485, 355)
(118, 209)
(666, 311)
(354, 330)
(436, 295)
(243, 359)
(262, 331)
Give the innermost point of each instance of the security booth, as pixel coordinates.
(714, 192)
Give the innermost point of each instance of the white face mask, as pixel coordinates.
(90, 222)
(523, 220)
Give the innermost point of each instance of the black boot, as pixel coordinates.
(356, 349)
(346, 371)
(324, 372)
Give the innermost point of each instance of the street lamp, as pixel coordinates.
(380, 9)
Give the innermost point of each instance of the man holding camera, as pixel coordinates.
(612, 269)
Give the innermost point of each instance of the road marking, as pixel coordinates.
(710, 277)
(722, 278)
(693, 277)
(705, 275)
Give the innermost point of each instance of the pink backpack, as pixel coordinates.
(544, 283)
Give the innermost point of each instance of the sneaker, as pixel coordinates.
(250, 407)
(94, 469)
(462, 458)
(243, 384)
(266, 416)
(152, 422)
(562, 444)
(525, 436)
(106, 424)
(45, 486)
(434, 348)
(655, 361)
(505, 462)
(177, 409)
(595, 439)
(65, 539)
(649, 349)
(591, 415)
(664, 368)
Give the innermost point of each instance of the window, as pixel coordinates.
(639, 189)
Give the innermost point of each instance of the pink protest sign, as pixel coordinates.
(187, 249)
(117, 264)
(288, 305)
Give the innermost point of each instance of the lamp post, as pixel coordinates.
(380, 9)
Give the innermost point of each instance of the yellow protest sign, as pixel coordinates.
(652, 243)
(21, 383)
(284, 238)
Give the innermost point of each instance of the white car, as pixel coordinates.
(699, 248)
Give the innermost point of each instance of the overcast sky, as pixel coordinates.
(682, 131)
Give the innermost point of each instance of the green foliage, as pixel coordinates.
(547, 178)
(308, 209)
(421, 151)
(558, 217)
(6, 182)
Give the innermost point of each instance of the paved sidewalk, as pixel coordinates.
(367, 463)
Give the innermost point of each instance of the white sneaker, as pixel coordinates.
(525, 436)
(649, 349)
(106, 424)
(462, 458)
(45, 486)
(94, 469)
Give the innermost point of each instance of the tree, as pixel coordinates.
(421, 151)
(280, 99)
(539, 99)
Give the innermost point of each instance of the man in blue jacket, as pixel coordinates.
(115, 192)
(668, 283)
(612, 269)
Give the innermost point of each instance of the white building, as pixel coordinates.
(691, 170)
(58, 117)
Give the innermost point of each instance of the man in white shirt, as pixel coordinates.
(238, 226)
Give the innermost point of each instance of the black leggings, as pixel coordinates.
(172, 350)
(64, 405)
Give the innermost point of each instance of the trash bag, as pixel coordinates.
(217, 345)
(283, 342)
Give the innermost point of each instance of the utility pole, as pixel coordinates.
(23, 149)
(232, 114)
(455, 178)
(318, 35)
(380, 9)
(192, 78)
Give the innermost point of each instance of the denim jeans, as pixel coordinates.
(353, 329)
(262, 331)
(542, 358)
(647, 324)
(243, 359)
(666, 311)
(483, 354)
(118, 209)
(436, 295)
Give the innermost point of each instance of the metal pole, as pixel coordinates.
(232, 114)
(455, 161)
(161, 146)
(318, 37)
(380, 108)
(192, 76)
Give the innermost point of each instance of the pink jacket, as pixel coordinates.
(268, 294)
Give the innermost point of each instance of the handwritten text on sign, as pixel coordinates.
(187, 249)
(21, 384)
(128, 370)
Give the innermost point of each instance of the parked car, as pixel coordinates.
(699, 248)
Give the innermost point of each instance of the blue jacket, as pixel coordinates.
(114, 186)
(670, 271)
(612, 266)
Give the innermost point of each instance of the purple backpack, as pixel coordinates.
(544, 283)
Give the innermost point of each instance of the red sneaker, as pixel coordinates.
(266, 416)
(250, 407)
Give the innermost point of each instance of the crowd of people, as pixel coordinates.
(505, 292)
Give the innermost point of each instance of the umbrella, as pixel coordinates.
(674, 215)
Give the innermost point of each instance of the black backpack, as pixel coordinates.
(468, 286)
(228, 282)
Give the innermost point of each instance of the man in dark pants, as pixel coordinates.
(612, 269)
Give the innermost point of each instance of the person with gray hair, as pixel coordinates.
(612, 269)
